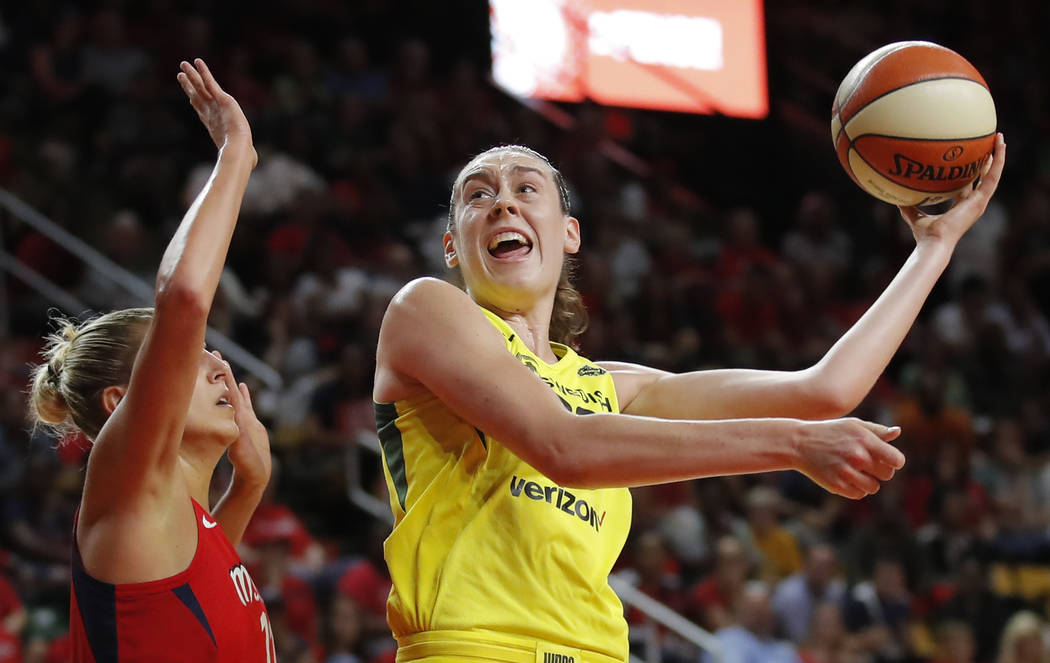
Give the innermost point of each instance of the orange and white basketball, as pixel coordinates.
(913, 122)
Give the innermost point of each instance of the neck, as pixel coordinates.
(198, 465)
(532, 325)
(533, 330)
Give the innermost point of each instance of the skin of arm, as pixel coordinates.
(433, 338)
(837, 383)
(133, 481)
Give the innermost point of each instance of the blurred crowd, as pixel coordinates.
(720, 243)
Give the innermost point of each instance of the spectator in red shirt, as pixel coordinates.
(273, 522)
(710, 604)
(367, 584)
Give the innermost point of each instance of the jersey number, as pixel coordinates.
(271, 650)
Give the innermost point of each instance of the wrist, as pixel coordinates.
(239, 148)
(247, 486)
(795, 449)
(932, 247)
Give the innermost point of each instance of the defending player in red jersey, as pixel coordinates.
(155, 575)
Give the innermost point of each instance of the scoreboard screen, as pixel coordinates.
(691, 56)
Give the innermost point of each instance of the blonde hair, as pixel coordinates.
(1022, 625)
(82, 359)
(569, 318)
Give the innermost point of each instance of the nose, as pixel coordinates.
(503, 204)
(216, 367)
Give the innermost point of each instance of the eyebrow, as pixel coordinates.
(520, 169)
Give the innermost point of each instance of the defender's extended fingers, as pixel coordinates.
(195, 79)
(242, 388)
(234, 394)
(209, 80)
(187, 86)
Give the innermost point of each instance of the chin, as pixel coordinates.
(229, 434)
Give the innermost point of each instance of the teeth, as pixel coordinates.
(507, 237)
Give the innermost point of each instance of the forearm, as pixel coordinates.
(616, 450)
(195, 256)
(235, 508)
(850, 368)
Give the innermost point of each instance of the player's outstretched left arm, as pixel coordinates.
(250, 457)
(836, 384)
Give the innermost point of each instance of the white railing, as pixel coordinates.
(135, 286)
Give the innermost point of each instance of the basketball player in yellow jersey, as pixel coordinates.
(508, 456)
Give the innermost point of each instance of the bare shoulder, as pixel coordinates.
(426, 317)
(425, 301)
(419, 290)
(630, 379)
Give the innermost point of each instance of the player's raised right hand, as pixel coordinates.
(848, 457)
(219, 112)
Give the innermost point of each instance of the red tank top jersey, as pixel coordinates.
(211, 612)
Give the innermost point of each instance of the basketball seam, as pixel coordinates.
(925, 140)
(902, 87)
(867, 70)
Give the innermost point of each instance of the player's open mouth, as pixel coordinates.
(509, 244)
(224, 402)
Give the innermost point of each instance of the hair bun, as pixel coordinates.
(46, 398)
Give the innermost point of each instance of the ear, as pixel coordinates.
(572, 235)
(451, 259)
(111, 397)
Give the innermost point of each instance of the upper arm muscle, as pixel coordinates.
(434, 335)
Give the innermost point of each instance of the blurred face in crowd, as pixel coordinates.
(754, 611)
(509, 230)
(826, 623)
(820, 567)
(732, 565)
(889, 581)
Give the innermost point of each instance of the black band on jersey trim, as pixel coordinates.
(97, 604)
(393, 448)
(189, 599)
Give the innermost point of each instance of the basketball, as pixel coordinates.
(913, 122)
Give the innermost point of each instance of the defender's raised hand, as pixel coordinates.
(250, 454)
(219, 112)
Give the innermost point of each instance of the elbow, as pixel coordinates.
(185, 300)
(829, 401)
(565, 471)
(556, 456)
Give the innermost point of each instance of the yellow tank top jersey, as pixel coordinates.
(482, 541)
